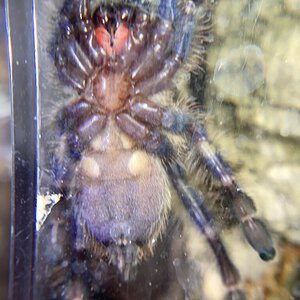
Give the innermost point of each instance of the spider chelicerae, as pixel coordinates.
(125, 147)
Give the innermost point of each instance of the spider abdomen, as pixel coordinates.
(121, 192)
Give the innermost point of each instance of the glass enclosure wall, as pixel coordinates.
(155, 149)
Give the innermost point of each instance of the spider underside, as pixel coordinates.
(125, 147)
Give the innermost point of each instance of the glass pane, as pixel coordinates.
(132, 103)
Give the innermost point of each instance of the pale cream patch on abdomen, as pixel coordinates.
(131, 196)
(90, 167)
(139, 163)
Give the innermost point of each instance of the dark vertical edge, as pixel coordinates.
(20, 29)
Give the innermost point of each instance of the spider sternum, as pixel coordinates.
(111, 89)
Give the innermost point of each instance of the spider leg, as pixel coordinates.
(253, 228)
(157, 144)
(194, 203)
(242, 205)
(150, 140)
(154, 115)
(76, 125)
(80, 123)
(181, 43)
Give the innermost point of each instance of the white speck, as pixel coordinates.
(44, 206)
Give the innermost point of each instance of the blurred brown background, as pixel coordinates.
(5, 159)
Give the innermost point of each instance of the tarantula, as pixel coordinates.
(123, 143)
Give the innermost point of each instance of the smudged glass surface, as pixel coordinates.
(252, 96)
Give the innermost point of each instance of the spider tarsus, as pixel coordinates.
(254, 229)
(268, 255)
(135, 129)
(259, 238)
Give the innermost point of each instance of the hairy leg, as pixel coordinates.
(75, 126)
(194, 204)
(156, 143)
(241, 204)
